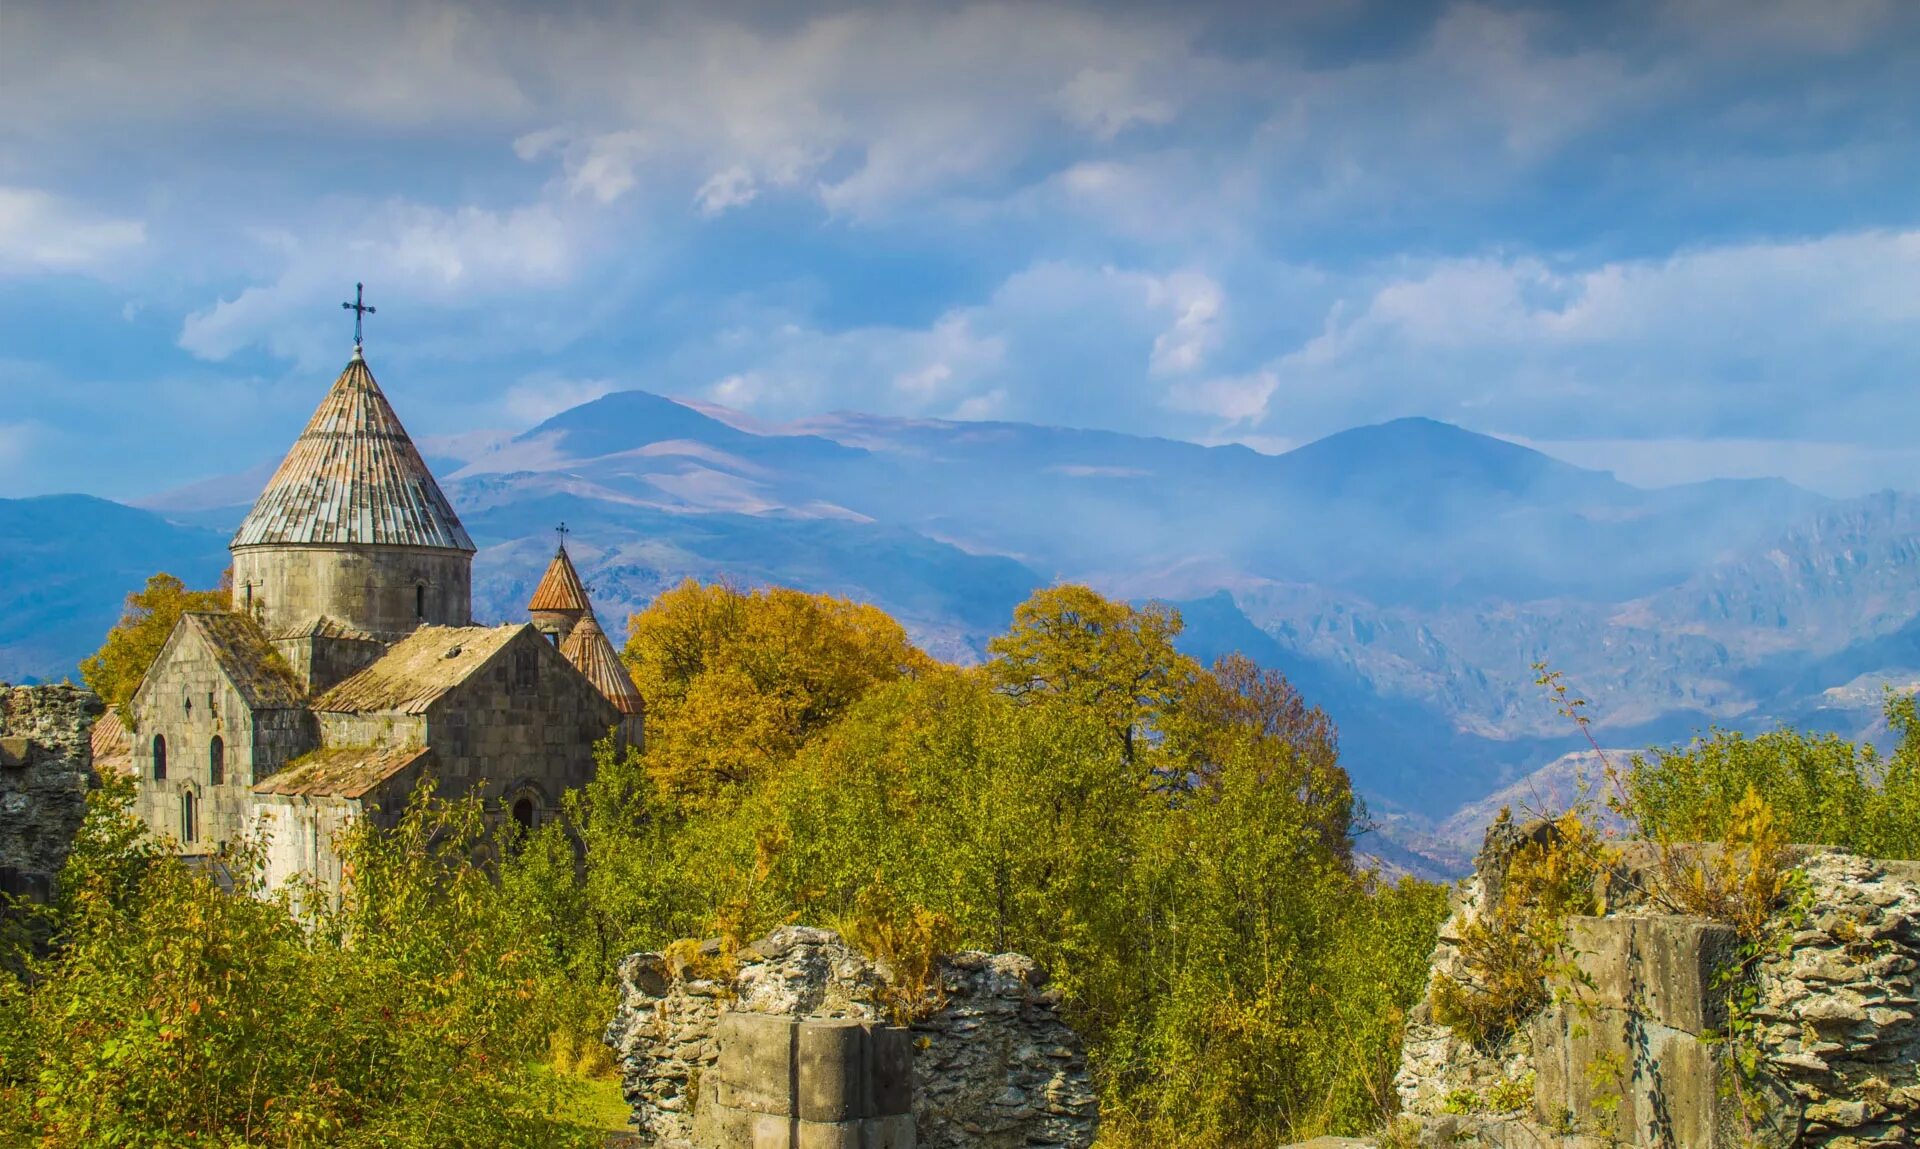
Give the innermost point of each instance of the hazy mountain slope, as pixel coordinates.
(66, 565)
(1405, 575)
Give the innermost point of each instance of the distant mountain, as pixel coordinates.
(1406, 575)
(66, 565)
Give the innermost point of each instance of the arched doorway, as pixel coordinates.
(523, 814)
(217, 761)
(159, 758)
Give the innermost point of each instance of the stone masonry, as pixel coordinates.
(46, 768)
(994, 1067)
(829, 1083)
(1629, 1053)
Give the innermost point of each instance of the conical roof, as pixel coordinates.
(560, 588)
(353, 476)
(592, 654)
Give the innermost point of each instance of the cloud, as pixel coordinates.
(41, 232)
(1736, 340)
(411, 252)
(538, 399)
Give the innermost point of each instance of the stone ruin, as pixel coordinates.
(792, 1050)
(46, 769)
(1630, 1052)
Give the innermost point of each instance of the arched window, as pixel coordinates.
(188, 823)
(523, 813)
(217, 761)
(159, 758)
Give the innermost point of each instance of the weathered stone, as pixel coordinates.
(46, 769)
(993, 1068)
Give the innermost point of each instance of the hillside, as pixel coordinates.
(1407, 574)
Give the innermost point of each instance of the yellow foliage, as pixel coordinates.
(737, 681)
(114, 671)
(1741, 882)
(909, 940)
(1510, 945)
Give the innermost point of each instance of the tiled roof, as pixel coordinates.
(326, 626)
(342, 772)
(560, 588)
(112, 745)
(353, 476)
(241, 648)
(592, 654)
(419, 669)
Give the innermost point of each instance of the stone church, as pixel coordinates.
(350, 668)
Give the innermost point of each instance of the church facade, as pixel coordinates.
(349, 668)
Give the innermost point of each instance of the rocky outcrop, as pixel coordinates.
(993, 1067)
(46, 768)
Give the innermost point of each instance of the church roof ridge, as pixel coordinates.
(416, 671)
(591, 652)
(354, 476)
(560, 588)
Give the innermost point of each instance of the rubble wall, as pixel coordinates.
(46, 768)
(994, 1067)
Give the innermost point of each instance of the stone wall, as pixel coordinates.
(1629, 1052)
(993, 1068)
(46, 768)
(385, 591)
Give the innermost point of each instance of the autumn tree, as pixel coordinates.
(1109, 659)
(115, 670)
(736, 681)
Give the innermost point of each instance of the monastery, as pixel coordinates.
(350, 668)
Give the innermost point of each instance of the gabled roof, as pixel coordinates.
(342, 772)
(560, 588)
(592, 654)
(241, 650)
(419, 669)
(353, 476)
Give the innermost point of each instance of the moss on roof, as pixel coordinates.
(419, 669)
(341, 771)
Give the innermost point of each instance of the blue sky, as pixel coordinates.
(1675, 238)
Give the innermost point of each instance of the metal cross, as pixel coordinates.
(561, 530)
(360, 310)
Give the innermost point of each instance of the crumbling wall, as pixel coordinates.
(46, 768)
(993, 1068)
(1632, 1051)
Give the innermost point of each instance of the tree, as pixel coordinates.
(1115, 661)
(737, 681)
(1238, 706)
(114, 671)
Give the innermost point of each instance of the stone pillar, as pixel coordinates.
(781, 1083)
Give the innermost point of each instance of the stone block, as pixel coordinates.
(770, 1132)
(827, 1134)
(756, 1054)
(1679, 960)
(1583, 1062)
(1662, 967)
(889, 1070)
(889, 1132)
(1602, 950)
(717, 1126)
(13, 751)
(832, 1059)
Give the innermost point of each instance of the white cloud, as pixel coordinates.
(40, 232)
(540, 398)
(1237, 399)
(1195, 301)
(1710, 342)
(449, 257)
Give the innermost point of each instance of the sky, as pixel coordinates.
(1677, 239)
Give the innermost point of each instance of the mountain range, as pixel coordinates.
(1406, 575)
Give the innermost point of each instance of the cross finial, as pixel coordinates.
(360, 311)
(561, 530)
